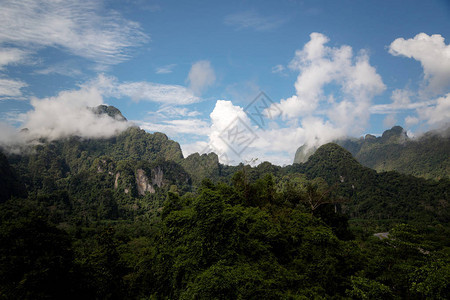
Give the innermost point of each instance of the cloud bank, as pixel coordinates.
(67, 114)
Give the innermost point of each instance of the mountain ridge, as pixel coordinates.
(427, 156)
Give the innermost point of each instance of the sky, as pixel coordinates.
(248, 80)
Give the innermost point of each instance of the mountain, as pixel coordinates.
(133, 171)
(427, 156)
(377, 196)
(10, 185)
(118, 171)
(109, 110)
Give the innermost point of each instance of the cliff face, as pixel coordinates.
(142, 183)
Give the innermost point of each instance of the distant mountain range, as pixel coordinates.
(427, 156)
(133, 171)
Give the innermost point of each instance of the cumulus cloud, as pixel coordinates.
(432, 53)
(234, 138)
(320, 66)
(231, 131)
(84, 28)
(334, 92)
(201, 76)
(438, 114)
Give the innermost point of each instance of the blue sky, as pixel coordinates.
(192, 69)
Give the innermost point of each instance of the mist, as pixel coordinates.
(68, 114)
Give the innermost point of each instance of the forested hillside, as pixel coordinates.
(426, 156)
(130, 218)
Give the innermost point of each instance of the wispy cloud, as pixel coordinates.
(393, 108)
(201, 76)
(278, 69)
(177, 127)
(174, 112)
(253, 20)
(14, 117)
(10, 88)
(10, 56)
(165, 94)
(83, 28)
(165, 69)
(65, 69)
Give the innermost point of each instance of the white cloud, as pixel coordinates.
(401, 98)
(156, 92)
(64, 115)
(253, 20)
(174, 112)
(235, 139)
(334, 90)
(11, 56)
(84, 28)
(326, 114)
(68, 114)
(195, 147)
(320, 66)
(201, 76)
(432, 53)
(177, 126)
(439, 114)
(231, 131)
(392, 107)
(10, 88)
(68, 68)
(144, 91)
(165, 69)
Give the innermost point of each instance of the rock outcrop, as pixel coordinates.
(142, 183)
